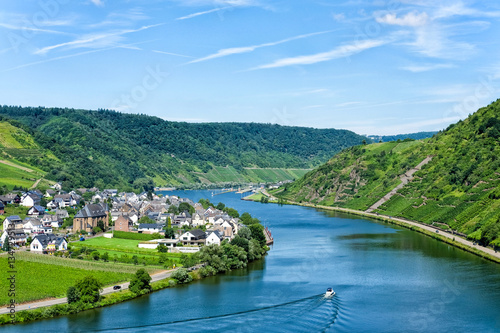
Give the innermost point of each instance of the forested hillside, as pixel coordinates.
(106, 148)
(459, 187)
(414, 136)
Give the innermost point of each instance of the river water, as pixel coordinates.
(387, 279)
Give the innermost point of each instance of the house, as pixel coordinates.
(2, 208)
(149, 228)
(32, 225)
(62, 214)
(50, 193)
(17, 237)
(48, 243)
(226, 229)
(88, 217)
(123, 223)
(13, 222)
(198, 220)
(36, 211)
(30, 199)
(51, 221)
(214, 237)
(193, 237)
(57, 186)
(10, 198)
(66, 200)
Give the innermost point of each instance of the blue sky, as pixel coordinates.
(374, 67)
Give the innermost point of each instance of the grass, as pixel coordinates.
(12, 176)
(116, 244)
(39, 280)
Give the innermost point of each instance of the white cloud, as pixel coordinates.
(201, 13)
(34, 29)
(98, 3)
(426, 67)
(339, 52)
(246, 49)
(94, 41)
(174, 54)
(412, 19)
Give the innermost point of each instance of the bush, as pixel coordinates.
(182, 276)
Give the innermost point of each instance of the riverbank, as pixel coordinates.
(436, 233)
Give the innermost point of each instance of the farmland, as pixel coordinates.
(58, 274)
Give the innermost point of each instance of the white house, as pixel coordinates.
(14, 220)
(48, 243)
(197, 220)
(36, 211)
(30, 199)
(149, 228)
(214, 238)
(32, 225)
(17, 237)
(193, 237)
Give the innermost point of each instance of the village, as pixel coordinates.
(55, 217)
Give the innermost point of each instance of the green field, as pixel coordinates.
(11, 176)
(42, 276)
(250, 175)
(121, 247)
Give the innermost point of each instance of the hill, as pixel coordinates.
(414, 136)
(110, 149)
(16, 146)
(458, 188)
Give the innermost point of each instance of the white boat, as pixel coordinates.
(329, 292)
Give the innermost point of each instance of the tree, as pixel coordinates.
(241, 242)
(135, 260)
(146, 220)
(95, 255)
(6, 245)
(245, 233)
(100, 224)
(89, 289)
(220, 206)
(232, 212)
(257, 231)
(156, 235)
(105, 256)
(150, 195)
(96, 230)
(184, 206)
(169, 222)
(182, 276)
(162, 248)
(72, 295)
(140, 282)
(173, 209)
(169, 233)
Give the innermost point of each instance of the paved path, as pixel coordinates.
(107, 290)
(405, 179)
(36, 183)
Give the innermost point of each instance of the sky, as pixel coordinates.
(376, 67)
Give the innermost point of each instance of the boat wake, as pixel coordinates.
(311, 314)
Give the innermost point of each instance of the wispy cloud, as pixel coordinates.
(201, 13)
(34, 29)
(246, 49)
(412, 19)
(173, 54)
(98, 3)
(339, 52)
(96, 40)
(426, 67)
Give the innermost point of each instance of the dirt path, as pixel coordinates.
(405, 179)
(107, 290)
(36, 183)
(16, 166)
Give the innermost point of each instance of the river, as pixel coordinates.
(387, 279)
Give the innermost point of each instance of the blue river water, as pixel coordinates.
(386, 278)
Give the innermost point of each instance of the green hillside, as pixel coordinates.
(110, 149)
(17, 146)
(459, 187)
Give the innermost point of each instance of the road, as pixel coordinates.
(108, 290)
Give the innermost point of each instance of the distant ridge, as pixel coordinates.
(110, 149)
(414, 136)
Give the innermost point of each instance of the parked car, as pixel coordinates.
(117, 287)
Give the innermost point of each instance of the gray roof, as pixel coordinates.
(13, 218)
(92, 210)
(198, 233)
(150, 226)
(45, 239)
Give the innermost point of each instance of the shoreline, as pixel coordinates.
(436, 233)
